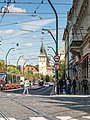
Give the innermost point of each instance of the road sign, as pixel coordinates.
(57, 67)
(56, 58)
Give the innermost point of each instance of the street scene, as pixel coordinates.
(44, 60)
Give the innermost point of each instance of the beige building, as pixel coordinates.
(77, 40)
(44, 67)
(42, 60)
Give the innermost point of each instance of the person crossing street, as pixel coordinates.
(26, 86)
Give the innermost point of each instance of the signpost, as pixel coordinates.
(56, 58)
(57, 67)
(56, 64)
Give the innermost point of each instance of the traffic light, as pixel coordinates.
(17, 44)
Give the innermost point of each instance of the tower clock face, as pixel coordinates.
(42, 59)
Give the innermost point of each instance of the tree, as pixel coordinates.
(61, 72)
(47, 78)
(2, 65)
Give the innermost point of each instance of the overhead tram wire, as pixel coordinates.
(7, 24)
(38, 7)
(38, 3)
(33, 13)
(5, 9)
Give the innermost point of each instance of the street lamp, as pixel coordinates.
(51, 56)
(19, 59)
(56, 27)
(52, 49)
(7, 55)
(49, 33)
(55, 40)
(24, 64)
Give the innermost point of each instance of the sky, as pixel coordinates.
(21, 22)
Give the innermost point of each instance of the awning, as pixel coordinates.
(84, 57)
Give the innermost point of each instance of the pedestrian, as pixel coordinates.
(26, 86)
(85, 84)
(68, 85)
(58, 87)
(74, 85)
(61, 86)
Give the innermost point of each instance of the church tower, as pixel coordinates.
(42, 60)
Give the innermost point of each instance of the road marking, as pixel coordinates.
(8, 118)
(12, 119)
(2, 119)
(64, 117)
(87, 117)
(37, 118)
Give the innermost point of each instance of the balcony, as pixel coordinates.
(75, 46)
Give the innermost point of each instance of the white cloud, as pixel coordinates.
(12, 8)
(34, 25)
(7, 32)
(29, 44)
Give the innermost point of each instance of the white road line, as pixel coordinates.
(63, 117)
(87, 117)
(8, 118)
(2, 119)
(12, 119)
(38, 118)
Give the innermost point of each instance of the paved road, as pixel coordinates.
(39, 107)
(35, 90)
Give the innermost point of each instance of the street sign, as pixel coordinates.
(57, 67)
(56, 58)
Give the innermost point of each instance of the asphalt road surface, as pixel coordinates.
(15, 106)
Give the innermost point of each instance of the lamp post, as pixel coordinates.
(56, 33)
(7, 55)
(19, 59)
(55, 40)
(51, 56)
(49, 33)
(52, 49)
(56, 26)
(24, 64)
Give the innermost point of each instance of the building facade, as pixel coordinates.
(77, 40)
(42, 60)
(44, 63)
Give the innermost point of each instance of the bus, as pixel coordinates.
(9, 80)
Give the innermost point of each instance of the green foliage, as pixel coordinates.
(61, 72)
(47, 78)
(2, 65)
(13, 69)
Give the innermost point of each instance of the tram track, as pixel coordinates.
(4, 116)
(29, 108)
(39, 113)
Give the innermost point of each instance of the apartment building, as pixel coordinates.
(77, 40)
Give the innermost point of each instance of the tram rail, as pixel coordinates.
(4, 116)
(40, 113)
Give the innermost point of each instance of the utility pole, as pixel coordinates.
(56, 37)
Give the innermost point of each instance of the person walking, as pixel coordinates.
(68, 85)
(84, 83)
(26, 86)
(61, 86)
(74, 85)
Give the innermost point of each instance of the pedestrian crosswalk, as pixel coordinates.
(57, 117)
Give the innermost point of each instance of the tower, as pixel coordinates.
(42, 60)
